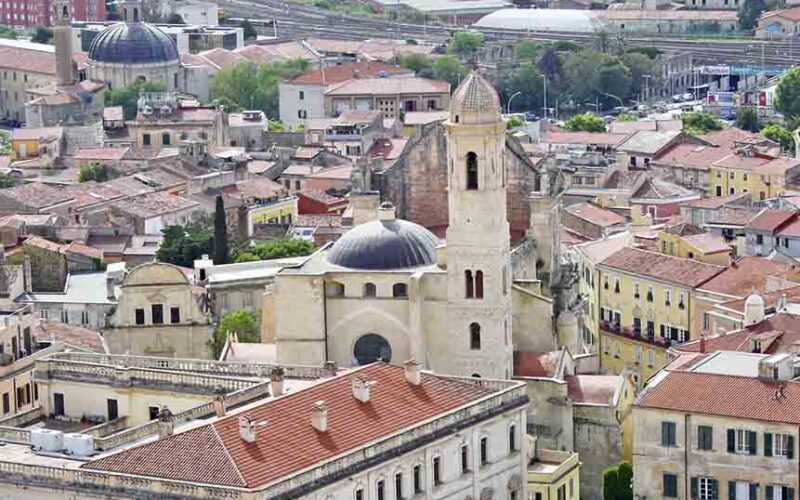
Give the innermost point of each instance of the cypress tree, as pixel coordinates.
(220, 253)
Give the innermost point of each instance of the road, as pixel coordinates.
(296, 20)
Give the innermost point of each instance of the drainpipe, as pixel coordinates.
(325, 319)
(686, 431)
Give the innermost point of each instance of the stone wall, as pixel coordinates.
(48, 269)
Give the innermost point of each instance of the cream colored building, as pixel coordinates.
(554, 475)
(725, 426)
(159, 313)
(388, 290)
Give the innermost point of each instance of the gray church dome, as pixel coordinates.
(133, 43)
(386, 243)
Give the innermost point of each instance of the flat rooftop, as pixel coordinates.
(743, 364)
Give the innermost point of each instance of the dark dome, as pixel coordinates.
(389, 244)
(133, 43)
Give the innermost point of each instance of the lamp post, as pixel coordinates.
(544, 107)
(508, 105)
(646, 87)
(622, 104)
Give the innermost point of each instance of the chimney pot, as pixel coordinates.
(319, 416)
(166, 424)
(247, 428)
(412, 371)
(219, 405)
(361, 389)
(702, 344)
(277, 381)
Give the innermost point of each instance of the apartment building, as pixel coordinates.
(725, 427)
(30, 13)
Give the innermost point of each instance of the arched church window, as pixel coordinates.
(472, 171)
(469, 285)
(399, 290)
(479, 284)
(369, 290)
(334, 289)
(475, 336)
(370, 348)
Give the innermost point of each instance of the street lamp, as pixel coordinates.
(621, 104)
(646, 86)
(508, 105)
(544, 107)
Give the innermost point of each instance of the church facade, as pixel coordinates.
(390, 290)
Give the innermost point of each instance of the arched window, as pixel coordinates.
(479, 284)
(399, 290)
(370, 348)
(334, 289)
(469, 285)
(66, 12)
(166, 140)
(472, 171)
(369, 290)
(475, 336)
(135, 15)
(512, 438)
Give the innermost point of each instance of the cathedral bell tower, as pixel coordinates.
(478, 251)
(62, 38)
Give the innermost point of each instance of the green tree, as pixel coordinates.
(128, 96)
(626, 117)
(550, 64)
(7, 181)
(245, 257)
(183, 245)
(780, 135)
(449, 69)
(42, 34)
(527, 50)
(416, 62)
(566, 46)
(279, 249)
(749, 12)
(747, 119)
(245, 324)
(466, 43)
(514, 122)
(650, 52)
(175, 18)
(787, 96)
(698, 123)
(617, 483)
(220, 254)
(254, 86)
(585, 122)
(248, 30)
(641, 66)
(527, 80)
(94, 172)
(7, 32)
(591, 74)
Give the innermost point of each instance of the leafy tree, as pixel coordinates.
(749, 12)
(7, 181)
(225, 102)
(94, 172)
(626, 117)
(254, 86)
(591, 73)
(245, 257)
(527, 79)
(650, 52)
(550, 64)
(449, 69)
(466, 43)
(175, 18)
(128, 97)
(747, 119)
(273, 126)
(698, 123)
(514, 122)
(183, 245)
(279, 249)
(640, 65)
(613, 79)
(220, 254)
(585, 122)
(566, 46)
(42, 34)
(7, 32)
(780, 135)
(787, 96)
(248, 30)
(527, 50)
(416, 62)
(245, 324)
(617, 482)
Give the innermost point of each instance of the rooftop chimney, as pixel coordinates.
(412, 372)
(319, 416)
(361, 389)
(166, 424)
(753, 309)
(330, 368)
(247, 428)
(277, 380)
(219, 405)
(386, 212)
(702, 344)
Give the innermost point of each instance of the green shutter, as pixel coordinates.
(731, 441)
(770, 492)
(752, 442)
(790, 448)
(767, 444)
(714, 487)
(693, 482)
(753, 491)
(789, 494)
(731, 490)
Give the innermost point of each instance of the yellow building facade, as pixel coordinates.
(280, 212)
(703, 247)
(554, 475)
(762, 179)
(645, 305)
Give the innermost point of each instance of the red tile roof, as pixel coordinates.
(687, 272)
(388, 86)
(347, 71)
(696, 156)
(778, 333)
(792, 14)
(791, 229)
(748, 274)
(724, 395)
(73, 335)
(708, 243)
(594, 214)
(215, 453)
(728, 137)
(715, 201)
(536, 364)
(592, 389)
(588, 138)
(771, 220)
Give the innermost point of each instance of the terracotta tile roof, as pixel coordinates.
(113, 113)
(389, 149)
(338, 74)
(37, 134)
(340, 172)
(215, 453)
(742, 162)
(791, 229)
(592, 389)
(321, 197)
(290, 50)
(22, 59)
(594, 214)
(648, 141)
(724, 395)
(588, 138)
(708, 242)
(697, 156)
(79, 248)
(318, 220)
(388, 86)
(618, 127)
(771, 220)
(154, 204)
(715, 201)
(101, 154)
(536, 364)
(73, 335)
(256, 54)
(39, 242)
(779, 333)
(259, 166)
(221, 58)
(36, 195)
(792, 14)
(748, 274)
(732, 216)
(687, 272)
(660, 189)
(728, 137)
(258, 187)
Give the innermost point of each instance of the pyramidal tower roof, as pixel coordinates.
(475, 101)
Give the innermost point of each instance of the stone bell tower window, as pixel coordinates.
(472, 171)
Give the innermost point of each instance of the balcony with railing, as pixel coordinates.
(634, 334)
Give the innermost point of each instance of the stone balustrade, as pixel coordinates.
(107, 428)
(15, 435)
(23, 418)
(231, 368)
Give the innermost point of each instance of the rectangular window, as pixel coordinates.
(6, 403)
(146, 139)
(636, 290)
(779, 445)
(484, 451)
(512, 439)
(437, 470)
(667, 297)
(670, 485)
(417, 479)
(668, 434)
(777, 492)
(360, 494)
(152, 412)
(705, 439)
(301, 95)
(140, 316)
(464, 459)
(398, 485)
(157, 311)
(651, 357)
(742, 442)
(707, 488)
(561, 493)
(381, 492)
(175, 314)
